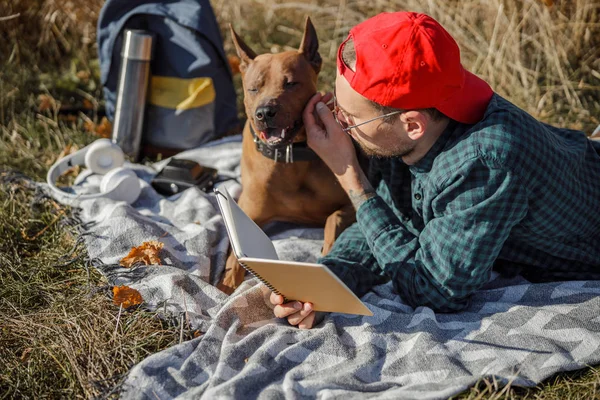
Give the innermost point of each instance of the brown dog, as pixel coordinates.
(282, 179)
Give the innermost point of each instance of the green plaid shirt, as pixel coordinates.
(508, 193)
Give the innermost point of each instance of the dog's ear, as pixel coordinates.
(245, 53)
(310, 46)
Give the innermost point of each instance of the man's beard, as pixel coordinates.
(400, 150)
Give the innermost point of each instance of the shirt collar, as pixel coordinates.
(425, 163)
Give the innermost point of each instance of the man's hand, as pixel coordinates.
(296, 312)
(326, 137)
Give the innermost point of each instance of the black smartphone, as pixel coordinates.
(180, 174)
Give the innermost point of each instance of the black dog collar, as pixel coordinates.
(299, 151)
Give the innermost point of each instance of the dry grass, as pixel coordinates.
(546, 60)
(35, 30)
(581, 385)
(61, 334)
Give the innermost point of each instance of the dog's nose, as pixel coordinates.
(265, 113)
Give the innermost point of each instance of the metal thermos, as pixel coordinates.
(132, 87)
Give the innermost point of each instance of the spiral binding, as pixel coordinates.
(264, 281)
(260, 278)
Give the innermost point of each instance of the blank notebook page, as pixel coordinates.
(247, 239)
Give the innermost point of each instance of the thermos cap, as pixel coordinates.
(137, 45)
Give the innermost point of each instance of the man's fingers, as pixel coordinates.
(326, 116)
(276, 299)
(297, 313)
(327, 100)
(307, 114)
(308, 322)
(287, 309)
(298, 317)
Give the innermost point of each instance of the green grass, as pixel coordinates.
(61, 335)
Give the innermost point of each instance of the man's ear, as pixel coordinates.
(310, 46)
(415, 123)
(245, 53)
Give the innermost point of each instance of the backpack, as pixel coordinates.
(191, 98)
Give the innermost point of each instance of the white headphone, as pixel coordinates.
(101, 157)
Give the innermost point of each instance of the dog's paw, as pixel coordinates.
(233, 276)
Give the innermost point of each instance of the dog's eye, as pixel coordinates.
(290, 84)
(253, 90)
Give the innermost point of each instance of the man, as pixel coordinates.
(465, 181)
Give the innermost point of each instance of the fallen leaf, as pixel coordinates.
(69, 149)
(126, 296)
(46, 102)
(68, 118)
(104, 128)
(89, 126)
(25, 355)
(83, 76)
(88, 105)
(146, 253)
(73, 171)
(234, 63)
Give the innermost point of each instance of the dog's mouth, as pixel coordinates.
(279, 137)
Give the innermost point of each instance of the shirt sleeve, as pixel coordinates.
(352, 261)
(453, 255)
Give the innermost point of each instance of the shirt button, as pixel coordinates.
(417, 196)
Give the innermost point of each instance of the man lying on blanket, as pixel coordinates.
(462, 181)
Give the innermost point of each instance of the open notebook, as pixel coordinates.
(306, 282)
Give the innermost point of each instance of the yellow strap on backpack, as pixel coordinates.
(181, 94)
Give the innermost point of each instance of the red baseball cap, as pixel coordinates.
(407, 60)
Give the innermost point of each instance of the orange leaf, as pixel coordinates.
(126, 296)
(83, 76)
(74, 170)
(47, 102)
(146, 253)
(25, 354)
(89, 126)
(104, 128)
(69, 149)
(234, 64)
(88, 105)
(68, 118)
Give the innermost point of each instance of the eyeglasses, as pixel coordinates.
(344, 120)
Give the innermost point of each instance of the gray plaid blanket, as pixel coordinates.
(514, 331)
